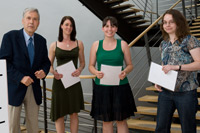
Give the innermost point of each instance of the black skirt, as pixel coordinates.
(112, 103)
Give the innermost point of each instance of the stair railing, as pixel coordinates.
(151, 26)
(145, 7)
(44, 112)
(142, 71)
(196, 13)
(141, 68)
(45, 98)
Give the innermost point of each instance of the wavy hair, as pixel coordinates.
(182, 29)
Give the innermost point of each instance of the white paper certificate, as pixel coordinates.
(66, 70)
(157, 76)
(111, 75)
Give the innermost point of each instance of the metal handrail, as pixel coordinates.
(45, 98)
(144, 9)
(151, 26)
(81, 76)
(45, 106)
(93, 76)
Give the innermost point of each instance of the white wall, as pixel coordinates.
(51, 12)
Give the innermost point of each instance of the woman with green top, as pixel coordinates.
(111, 102)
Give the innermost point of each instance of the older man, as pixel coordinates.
(27, 62)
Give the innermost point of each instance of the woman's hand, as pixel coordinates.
(158, 87)
(76, 73)
(122, 75)
(57, 75)
(167, 68)
(99, 74)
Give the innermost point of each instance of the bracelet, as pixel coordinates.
(179, 68)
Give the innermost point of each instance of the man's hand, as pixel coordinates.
(40, 74)
(27, 80)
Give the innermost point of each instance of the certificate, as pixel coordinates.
(66, 70)
(157, 76)
(111, 75)
(4, 123)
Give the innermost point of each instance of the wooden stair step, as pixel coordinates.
(153, 111)
(196, 34)
(197, 23)
(148, 98)
(22, 128)
(197, 20)
(145, 11)
(138, 22)
(154, 99)
(194, 27)
(114, 2)
(192, 31)
(133, 18)
(128, 12)
(146, 110)
(152, 88)
(121, 7)
(42, 131)
(141, 124)
(140, 26)
(151, 125)
(192, 6)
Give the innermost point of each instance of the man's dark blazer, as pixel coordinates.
(14, 50)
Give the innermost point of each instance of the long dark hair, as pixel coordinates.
(182, 29)
(73, 33)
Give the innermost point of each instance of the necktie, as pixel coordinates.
(31, 50)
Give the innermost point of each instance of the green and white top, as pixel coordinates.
(113, 57)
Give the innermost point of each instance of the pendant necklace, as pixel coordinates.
(68, 43)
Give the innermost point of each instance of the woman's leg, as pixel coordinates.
(74, 123)
(60, 126)
(187, 104)
(122, 126)
(166, 108)
(107, 127)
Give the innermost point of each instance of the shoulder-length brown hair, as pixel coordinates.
(73, 33)
(182, 29)
(113, 21)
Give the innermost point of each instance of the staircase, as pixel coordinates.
(147, 119)
(131, 22)
(86, 123)
(195, 28)
(147, 114)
